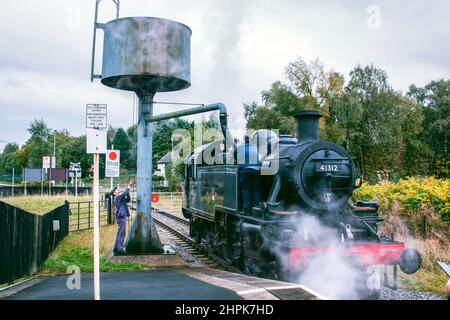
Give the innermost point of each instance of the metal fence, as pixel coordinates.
(26, 239)
(81, 214)
(170, 201)
(8, 191)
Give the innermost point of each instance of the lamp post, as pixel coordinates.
(52, 165)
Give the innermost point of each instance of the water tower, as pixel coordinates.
(147, 55)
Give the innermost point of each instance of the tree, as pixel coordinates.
(38, 143)
(132, 152)
(435, 99)
(311, 86)
(122, 142)
(39, 130)
(380, 122)
(8, 159)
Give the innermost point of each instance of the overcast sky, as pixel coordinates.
(238, 49)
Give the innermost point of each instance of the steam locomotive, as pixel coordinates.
(300, 177)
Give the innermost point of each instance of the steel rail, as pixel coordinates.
(227, 266)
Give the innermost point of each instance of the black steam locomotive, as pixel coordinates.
(303, 177)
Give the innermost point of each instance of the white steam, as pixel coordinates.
(330, 273)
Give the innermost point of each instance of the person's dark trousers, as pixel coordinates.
(122, 224)
(250, 184)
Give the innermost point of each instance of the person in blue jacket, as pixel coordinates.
(122, 213)
(249, 175)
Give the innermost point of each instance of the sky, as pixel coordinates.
(238, 49)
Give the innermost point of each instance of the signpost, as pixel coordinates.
(96, 124)
(112, 165)
(46, 162)
(45, 165)
(96, 116)
(75, 173)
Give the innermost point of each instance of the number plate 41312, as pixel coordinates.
(328, 167)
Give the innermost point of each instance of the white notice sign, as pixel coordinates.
(112, 165)
(45, 162)
(96, 116)
(96, 140)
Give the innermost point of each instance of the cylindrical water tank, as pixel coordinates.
(146, 54)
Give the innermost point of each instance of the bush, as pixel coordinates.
(411, 193)
(405, 206)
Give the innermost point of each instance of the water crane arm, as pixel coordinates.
(188, 112)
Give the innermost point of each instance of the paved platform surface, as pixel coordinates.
(133, 285)
(163, 284)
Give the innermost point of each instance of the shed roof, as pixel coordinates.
(166, 159)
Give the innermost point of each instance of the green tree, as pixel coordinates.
(435, 99)
(314, 85)
(122, 142)
(379, 123)
(311, 86)
(38, 144)
(8, 159)
(132, 152)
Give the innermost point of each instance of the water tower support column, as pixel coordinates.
(143, 237)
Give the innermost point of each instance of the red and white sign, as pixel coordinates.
(112, 165)
(155, 197)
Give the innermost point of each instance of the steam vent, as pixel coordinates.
(145, 55)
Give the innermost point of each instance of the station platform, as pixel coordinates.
(162, 284)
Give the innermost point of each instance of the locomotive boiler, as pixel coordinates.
(301, 178)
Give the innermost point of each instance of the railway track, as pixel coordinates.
(178, 230)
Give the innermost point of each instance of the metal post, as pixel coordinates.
(42, 182)
(112, 148)
(54, 145)
(76, 185)
(12, 191)
(96, 230)
(25, 180)
(143, 237)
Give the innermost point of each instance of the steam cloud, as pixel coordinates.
(331, 274)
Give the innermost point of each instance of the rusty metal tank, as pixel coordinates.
(146, 54)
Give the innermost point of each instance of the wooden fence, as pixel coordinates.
(26, 239)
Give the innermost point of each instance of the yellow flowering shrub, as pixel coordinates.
(411, 193)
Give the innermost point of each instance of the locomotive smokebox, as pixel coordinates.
(308, 125)
(146, 54)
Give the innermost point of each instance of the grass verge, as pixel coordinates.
(77, 250)
(41, 204)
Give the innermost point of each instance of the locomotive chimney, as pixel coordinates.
(308, 127)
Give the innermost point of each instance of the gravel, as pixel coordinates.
(404, 294)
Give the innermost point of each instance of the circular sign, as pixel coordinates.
(155, 198)
(112, 156)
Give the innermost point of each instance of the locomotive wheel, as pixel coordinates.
(250, 267)
(221, 251)
(275, 270)
(195, 230)
(233, 243)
